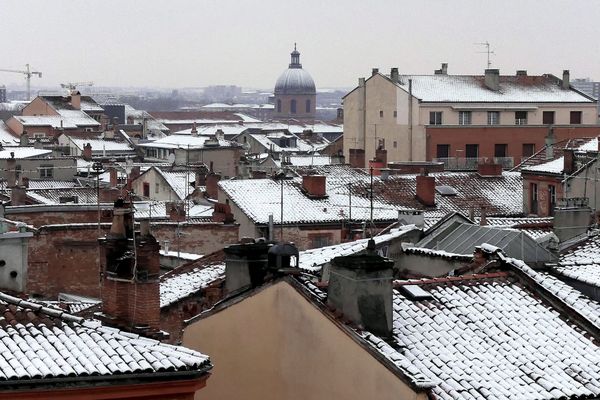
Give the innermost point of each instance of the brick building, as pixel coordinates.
(461, 119)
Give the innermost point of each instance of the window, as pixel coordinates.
(395, 114)
(435, 118)
(320, 240)
(46, 171)
(500, 150)
(575, 117)
(308, 105)
(520, 117)
(528, 149)
(156, 187)
(472, 150)
(293, 106)
(39, 135)
(548, 117)
(278, 106)
(464, 117)
(395, 144)
(146, 189)
(493, 117)
(443, 151)
(551, 199)
(533, 198)
(380, 113)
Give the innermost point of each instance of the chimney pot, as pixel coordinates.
(492, 79)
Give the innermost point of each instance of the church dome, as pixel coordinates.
(295, 80)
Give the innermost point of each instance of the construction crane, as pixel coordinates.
(73, 85)
(28, 73)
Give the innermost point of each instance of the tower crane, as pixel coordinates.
(28, 74)
(73, 85)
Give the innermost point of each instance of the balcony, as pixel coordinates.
(470, 164)
(521, 121)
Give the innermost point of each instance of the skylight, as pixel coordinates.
(446, 190)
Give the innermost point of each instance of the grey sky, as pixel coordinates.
(179, 43)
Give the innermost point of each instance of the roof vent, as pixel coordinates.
(414, 292)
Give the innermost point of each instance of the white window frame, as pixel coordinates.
(465, 117)
(493, 117)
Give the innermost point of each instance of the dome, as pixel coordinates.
(295, 80)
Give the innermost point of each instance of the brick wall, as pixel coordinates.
(203, 238)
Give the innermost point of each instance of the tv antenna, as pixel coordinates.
(487, 51)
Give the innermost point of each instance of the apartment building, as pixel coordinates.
(462, 119)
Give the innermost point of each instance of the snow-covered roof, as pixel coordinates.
(556, 166)
(303, 146)
(70, 120)
(77, 195)
(229, 130)
(23, 152)
(468, 88)
(41, 342)
(312, 260)
(187, 141)
(310, 159)
(99, 145)
(181, 255)
(179, 181)
(6, 137)
(582, 263)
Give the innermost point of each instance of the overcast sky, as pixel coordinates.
(193, 43)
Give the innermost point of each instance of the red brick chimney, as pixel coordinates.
(381, 156)
(176, 211)
(569, 161)
(426, 190)
(130, 284)
(113, 177)
(222, 213)
(212, 188)
(489, 169)
(87, 152)
(314, 186)
(133, 175)
(357, 158)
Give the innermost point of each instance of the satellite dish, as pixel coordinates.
(171, 158)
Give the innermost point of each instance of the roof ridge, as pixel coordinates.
(451, 279)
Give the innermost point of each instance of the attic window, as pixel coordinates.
(446, 190)
(414, 292)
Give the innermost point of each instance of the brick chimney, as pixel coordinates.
(176, 211)
(114, 180)
(492, 79)
(76, 100)
(374, 71)
(550, 144)
(426, 190)
(357, 158)
(569, 161)
(130, 284)
(199, 178)
(381, 156)
(25, 182)
(360, 287)
(133, 175)
(194, 130)
(212, 185)
(222, 213)
(246, 265)
(87, 152)
(489, 169)
(115, 125)
(18, 195)
(566, 80)
(314, 186)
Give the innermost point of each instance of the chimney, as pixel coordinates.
(381, 156)
(483, 216)
(444, 68)
(492, 79)
(569, 161)
(489, 169)
(25, 182)
(194, 130)
(219, 134)
(361, 82)
(87, 152)
(11, 171)
(133, 175)
(394, 76)
(18, 195)
(246, 265)
(357, 158)
(314, 186)
(75, 100)
(360, 287)
(566, 80)
(130, 287)
(176, 211)
(199, 178)
(115, 125)
(37, 144)
(521, 72)
(113, 177)
(374, 71)
(426, 190)
(212, 185)
(550, 144)
(24, 139)
(572, 217)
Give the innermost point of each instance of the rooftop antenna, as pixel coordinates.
(487, 51)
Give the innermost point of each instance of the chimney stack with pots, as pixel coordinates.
(130, 269)
(360, 287)
(492, 79)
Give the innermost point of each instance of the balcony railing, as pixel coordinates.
(470, 164)
(521, 121)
